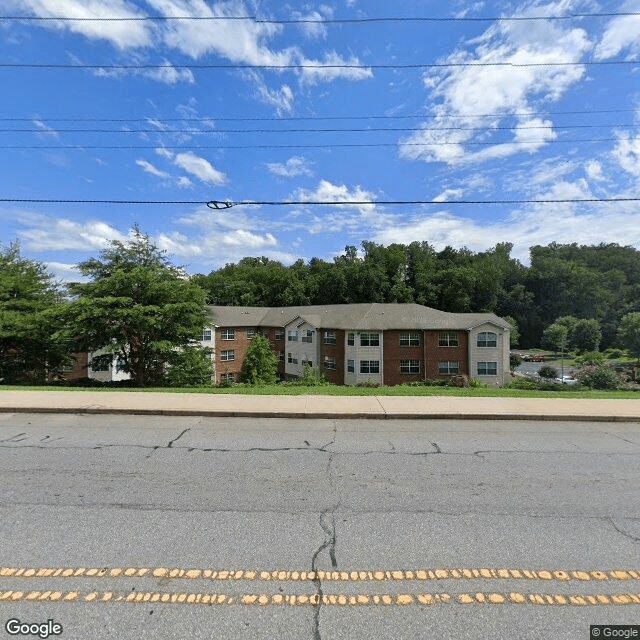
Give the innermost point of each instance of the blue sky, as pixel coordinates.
(317, 102)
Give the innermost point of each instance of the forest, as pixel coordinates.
(594, 282)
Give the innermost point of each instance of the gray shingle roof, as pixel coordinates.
(363, 316)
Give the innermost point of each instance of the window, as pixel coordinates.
(250, 332)
(119, 364)
(370, 366)
(307, 336)
(329, 363)
(448, 367)
(281, 356)
(351, 366)
(279, 334)
(409, 339)
(410, 366)
(206, 335)
(228, 334)
(351, 339)
(487, 368)
(292, 336)
(309, 362)
(291, 359)
(228, 354)
(448, 340)
(369, 339)
(487, 339)
(100, 364)
(228, 376)
(329, 337)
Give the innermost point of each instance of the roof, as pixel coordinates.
(361, 316)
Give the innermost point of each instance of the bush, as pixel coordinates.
(600, 376)
(370, 382)
(591, 358)
(548, 372)
(614, 353)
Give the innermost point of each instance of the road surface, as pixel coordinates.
(177, 527)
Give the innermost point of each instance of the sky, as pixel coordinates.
(454, 123)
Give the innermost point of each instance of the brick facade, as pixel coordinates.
(333, 351)
(395, 354)
(436, 353)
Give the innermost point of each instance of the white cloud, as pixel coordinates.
(151, 169)
(170, 74)
(622, 32)
(45, 129)
(244, 238)
(45, 234)
(333, 68)
(449, 194)
(313, 25)
(627, 154)
(498, 90)
(593, 170)
(328, 192)
(293, 167)
(200, 168)
(122, 34)
(280, 99)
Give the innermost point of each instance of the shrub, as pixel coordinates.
(600, 376)
(370, 382)
(591, 358)
(614, 353)
(548, 372)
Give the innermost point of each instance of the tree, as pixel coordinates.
(514, 334)
(136, 305)
(586, 335)
(30, 301)
(555, 337)
(260, 364)
(548, 372)
(629, 333)
(189, 367)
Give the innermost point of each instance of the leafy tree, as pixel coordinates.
(514, 334)
(515, 360)
(136, 305)
(586, 335)
(547, 372)
(260, 364)
(556, 337)
(599, 376)
(629, 333)
(30, 301)
(189, 367)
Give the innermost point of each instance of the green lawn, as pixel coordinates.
(357, 391)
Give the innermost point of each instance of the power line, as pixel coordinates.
(228, 204)
(313, 146)
(314, 65)
(314, 118)
(342, 130)
(257, 20)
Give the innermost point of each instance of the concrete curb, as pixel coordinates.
(315, 415)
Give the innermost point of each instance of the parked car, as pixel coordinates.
(566, 380)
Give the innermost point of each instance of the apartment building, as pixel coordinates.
(353, 343)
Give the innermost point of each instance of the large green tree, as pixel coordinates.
(136, 305)
(629, 333)
(30, 350)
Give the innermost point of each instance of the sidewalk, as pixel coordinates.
(317, 406)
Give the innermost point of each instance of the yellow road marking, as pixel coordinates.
(334, 576)
(401, 599)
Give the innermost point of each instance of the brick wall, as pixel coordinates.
(333, 351)
(239, 344)
(394, 354)
(436, 353)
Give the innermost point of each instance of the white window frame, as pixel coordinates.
(227, 355)
(369, 366)
(351, 366)
(329, 337)
(448, 339)
(292, 335)
(488, 368)
(250, 332)
(206, 335)
(452, 367)
(329, 363)
(370, 340)
(227, 334)
(291, 359)
(280, 334)
(410, 366)
(485, 339)
(308, 337)
(351, 339)
(410, 339)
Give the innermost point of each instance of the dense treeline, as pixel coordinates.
(588, 282)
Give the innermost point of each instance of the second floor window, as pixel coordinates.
(206, 335)
(307, 336)
(448, 339)
(292, 336)
(487, 339)
(369, 339)
(329, 337)
(409, 339)
(228, 334)
(279, 334)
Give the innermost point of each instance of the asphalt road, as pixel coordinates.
(155, 527)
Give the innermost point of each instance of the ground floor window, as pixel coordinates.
(291, 359)
(351, 366)
(487, 368)
(370, 366)
(227, 376)
(410, 366)
(329, 363)
(448, 367)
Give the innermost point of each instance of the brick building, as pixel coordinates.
(352, 343)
